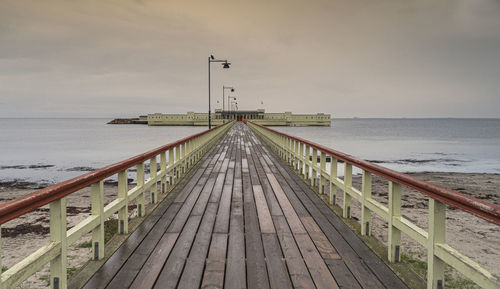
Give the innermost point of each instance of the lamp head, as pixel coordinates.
(212, 57)
(226, 65)
(232, 89)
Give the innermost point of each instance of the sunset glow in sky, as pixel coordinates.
(388, 58)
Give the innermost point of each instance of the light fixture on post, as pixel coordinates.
(225, 64)
(228, 103)
(223, 95)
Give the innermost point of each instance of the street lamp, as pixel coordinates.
(223, 97)
(225, 64)
(229, 98)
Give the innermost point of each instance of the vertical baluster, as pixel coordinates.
(307, 161)
(322, 168)
(437, 230)
(152, 174)
(301, 159)
(394, 234)
(314, 161)
(141, 199)
(177, 162)
(97, 202)
(171, 166)
(58, 265)
(333, 176)
(346, 212)
(183, 158)
(163, 169)
(123, 194)
(366, 191)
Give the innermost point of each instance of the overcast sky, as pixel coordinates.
(364, 58)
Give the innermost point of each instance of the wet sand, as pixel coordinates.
(474, 237)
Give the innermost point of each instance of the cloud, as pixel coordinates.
(348, 58)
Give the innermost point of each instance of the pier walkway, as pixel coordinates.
(243, 219)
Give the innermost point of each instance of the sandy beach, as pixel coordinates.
(474, 237)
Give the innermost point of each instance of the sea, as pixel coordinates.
(40, 152)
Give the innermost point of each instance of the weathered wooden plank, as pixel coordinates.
(324, 246)
(265, 220)
(342, 275)
(214, 271)
(193, 271)
(276, 267)
(290, 214)
(297, 268)
(136, 261)
(235, 269)
(317, 266)
(255, 261)
(146, 278)
(171, 272)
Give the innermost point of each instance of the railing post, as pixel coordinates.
(183, 158)
(333, 176)
(97, 202)
(346, 210)
(123, 194)
(296, 154)
(58, 265)
(141, 199)
(366, 195)
(307, 162)
(394, 234)
(163, 169)
(301, 159)
(171, 166)
(322, 168)
(152, 174)
(437, 230)
(314, 172)
(177, 162)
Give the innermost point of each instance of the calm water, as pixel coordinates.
(52, 150)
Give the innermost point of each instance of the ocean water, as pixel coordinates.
(414, 145)
(48, 151)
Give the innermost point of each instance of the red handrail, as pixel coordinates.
(17, 207)
(477, 207)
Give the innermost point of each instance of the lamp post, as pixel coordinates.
(223, 97)
(228, 103)
(225, 65)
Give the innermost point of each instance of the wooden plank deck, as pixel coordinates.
(244, 220)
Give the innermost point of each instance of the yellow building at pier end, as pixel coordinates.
(258, 116)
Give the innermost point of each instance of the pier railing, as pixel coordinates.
(182, 155)
(303, 156)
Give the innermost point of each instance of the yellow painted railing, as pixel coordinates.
(182, 155)
(297, 152)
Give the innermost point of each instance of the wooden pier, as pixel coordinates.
(244, 220)
(242, 206)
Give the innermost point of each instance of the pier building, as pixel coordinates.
(258, 116)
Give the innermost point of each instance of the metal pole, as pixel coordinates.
(209, 116)
(223, 90)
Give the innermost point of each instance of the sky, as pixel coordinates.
(349, 58)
